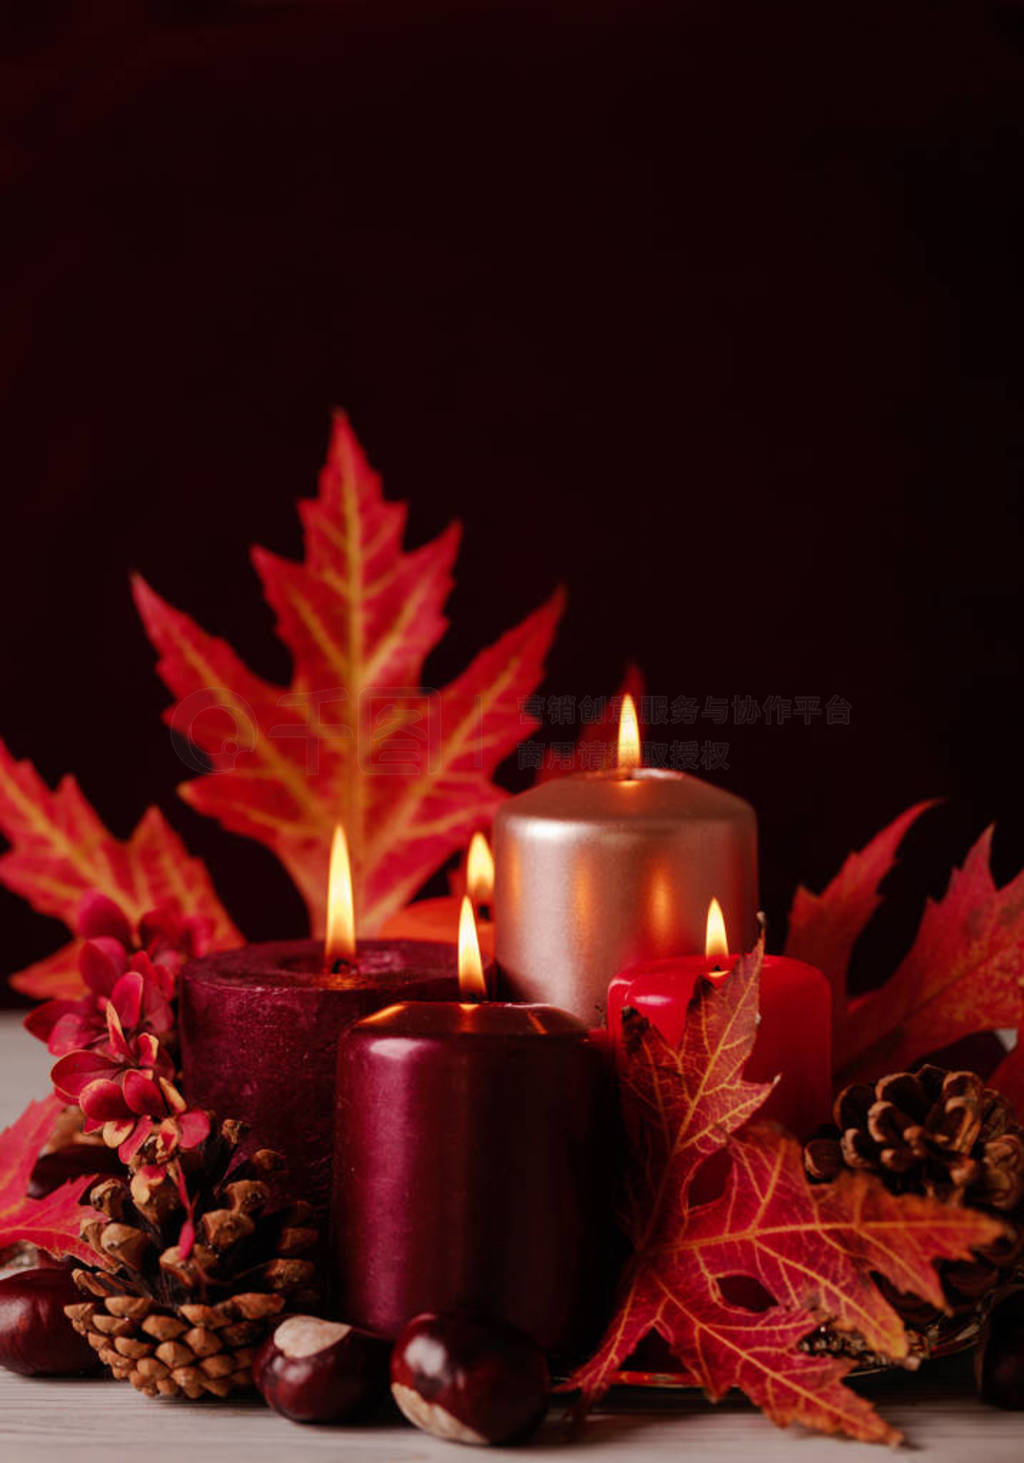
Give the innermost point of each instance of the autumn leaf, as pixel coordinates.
(771, 1223)
(54, 978)
(596, 746)
(680, 1105)
(355, 736)
(1008, 1078)
(823, 928)
(963, 974)
(51, 1223)
(811, 1248)
(60, 850)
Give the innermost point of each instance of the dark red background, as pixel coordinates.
(712, 312)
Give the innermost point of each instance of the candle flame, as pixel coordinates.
(472, 986)
(479, 870)
(340, 943)
(629, 737)
(716, 941)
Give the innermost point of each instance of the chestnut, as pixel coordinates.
(312, 1370)
(999, 1359)
(469, 1380)
(36, 1337)
(75, 1161)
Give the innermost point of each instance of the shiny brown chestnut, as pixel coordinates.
(77, 1160)
(468, 1380)
(312, 1370)
(36, 1337)
(999, 1358)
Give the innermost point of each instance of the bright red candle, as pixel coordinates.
(259, 1036)
(438, 919)
(794, 1037)
(470, 1168)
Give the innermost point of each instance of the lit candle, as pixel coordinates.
(260, 1025)
(469, 1168)
(437, 919)
(793, 1035)
(596, 871)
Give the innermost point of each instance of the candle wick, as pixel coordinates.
(339, 966)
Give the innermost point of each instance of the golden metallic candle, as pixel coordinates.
(597, 871)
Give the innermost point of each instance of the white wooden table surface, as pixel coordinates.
(106, 1422)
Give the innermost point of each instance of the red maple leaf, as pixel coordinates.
(812, 1249)
(354, 738)
(61, 850)
(51, 1223)
(963, 974)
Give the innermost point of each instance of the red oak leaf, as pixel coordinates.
(61, 850)
(963, 974)
(1008, 1078)
(597, 745)
(355, 737)
(812, 1249)
(823, 928)
(51, 1223)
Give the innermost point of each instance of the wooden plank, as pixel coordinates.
(95, 1421)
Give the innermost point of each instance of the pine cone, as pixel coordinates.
(172, 1322)
(929, 1132)
(944, 1134)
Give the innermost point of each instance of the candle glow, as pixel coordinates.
(340, 942)
(629, 738)
(472, 986)
(479, 870)
(716, 942)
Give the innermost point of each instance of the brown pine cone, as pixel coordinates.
(171, 1323)
(939, 1133)
(929, 1132)
(187, 1350)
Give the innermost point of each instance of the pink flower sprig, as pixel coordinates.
(111, 949)
(113, 1041)
(124, 1084)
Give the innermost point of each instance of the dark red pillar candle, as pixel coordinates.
(793, 1042)
(469, 1169)
(259, 1036)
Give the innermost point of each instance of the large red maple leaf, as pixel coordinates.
(964, 972)
(52, 1223)
(355, 737)
(60, 850)
(812, 1249)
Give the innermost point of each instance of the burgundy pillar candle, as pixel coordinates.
(469, 1168)
(259, 1035)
